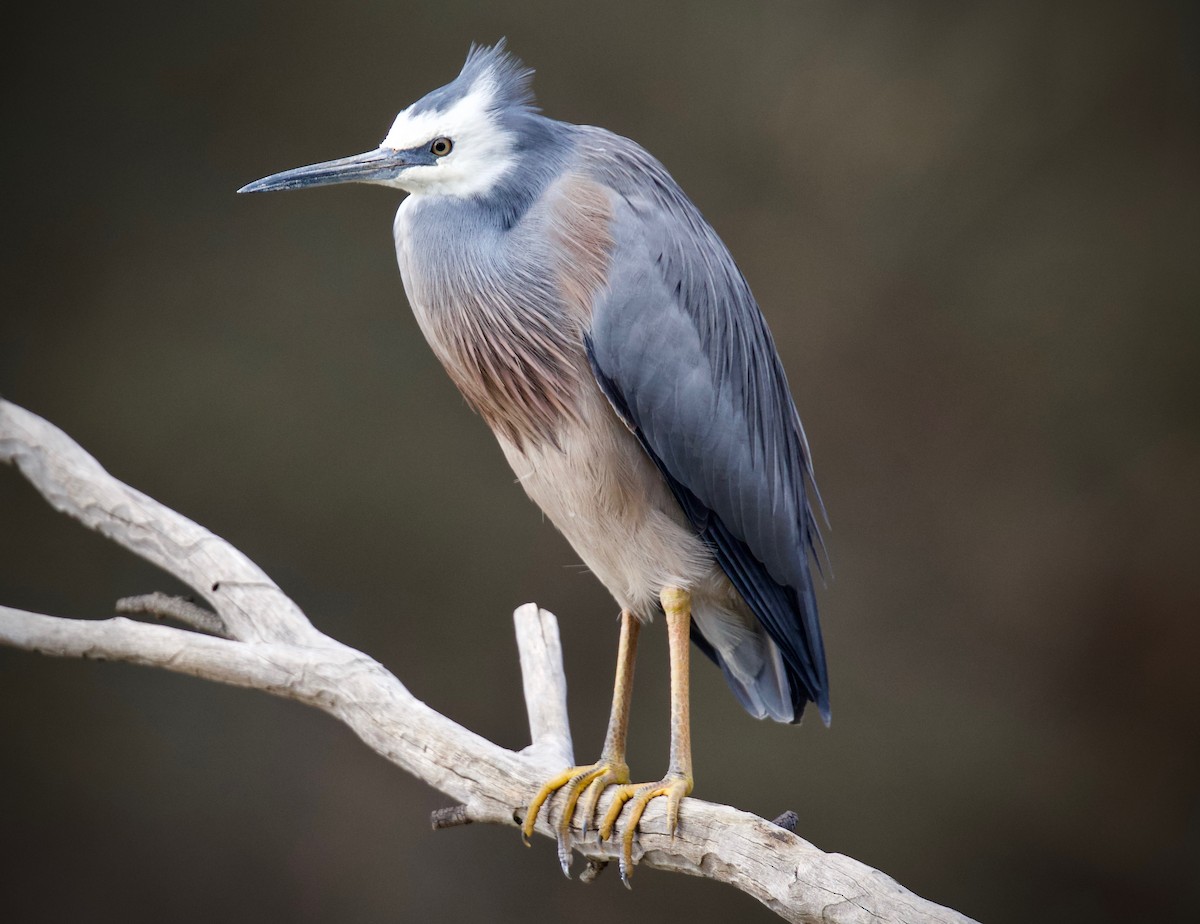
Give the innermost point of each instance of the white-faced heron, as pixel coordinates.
(594, 319)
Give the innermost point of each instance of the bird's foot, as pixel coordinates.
(586, 782)
(674, 786)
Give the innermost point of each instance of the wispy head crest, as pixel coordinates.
(509, 79)
(513, 80)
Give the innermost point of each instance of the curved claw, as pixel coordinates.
(573, 782)
(674, 787)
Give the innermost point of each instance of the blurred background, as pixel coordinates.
(973, 230)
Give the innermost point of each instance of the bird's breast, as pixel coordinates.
(505, 310)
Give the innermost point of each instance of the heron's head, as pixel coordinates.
(459, 140)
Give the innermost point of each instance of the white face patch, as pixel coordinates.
(482, 152)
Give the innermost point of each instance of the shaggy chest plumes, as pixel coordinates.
(505, 311)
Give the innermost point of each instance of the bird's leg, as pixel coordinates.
(677, 605)
(610, 768)
(612, 756)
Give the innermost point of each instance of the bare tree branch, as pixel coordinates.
(273, 647)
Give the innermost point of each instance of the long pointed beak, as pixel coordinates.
(376, 166)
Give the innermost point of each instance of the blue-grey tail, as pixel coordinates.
(788, 615)
(758, 674)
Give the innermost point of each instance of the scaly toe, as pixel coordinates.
(639, 796)
(615, 774)
(591, 796)
(548, 789)
(573, 783)
(571, 792)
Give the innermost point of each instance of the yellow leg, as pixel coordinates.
(677, 783)
(590, 781)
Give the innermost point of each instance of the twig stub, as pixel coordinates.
(451, 816)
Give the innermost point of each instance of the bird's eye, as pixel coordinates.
(441, 147)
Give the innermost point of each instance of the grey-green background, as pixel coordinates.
(973, 229)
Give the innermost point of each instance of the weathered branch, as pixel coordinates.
(272, 646)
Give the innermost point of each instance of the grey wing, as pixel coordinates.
(682, 351)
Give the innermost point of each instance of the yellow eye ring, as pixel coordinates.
(441, 147)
